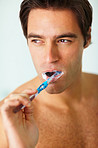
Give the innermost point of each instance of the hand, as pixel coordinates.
(20, 127)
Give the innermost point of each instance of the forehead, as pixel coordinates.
(48, 22)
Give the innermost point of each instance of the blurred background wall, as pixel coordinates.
(16, 65)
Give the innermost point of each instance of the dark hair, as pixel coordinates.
(81, 8)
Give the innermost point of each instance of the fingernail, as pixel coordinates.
(29, 104)
(34, 90)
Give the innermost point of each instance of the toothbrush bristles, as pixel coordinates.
(55, 74)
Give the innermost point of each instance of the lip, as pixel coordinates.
(51, 70)
(56, 78)
(45, 77)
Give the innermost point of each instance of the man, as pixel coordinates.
(65, 114)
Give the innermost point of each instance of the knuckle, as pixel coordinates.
(11, 95)
(2, 108)
(24, 91)
(6, 100)
(23, 99)
(29, 91)
(24, 95)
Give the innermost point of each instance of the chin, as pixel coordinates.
(54, 89)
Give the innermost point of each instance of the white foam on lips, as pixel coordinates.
(45, 76)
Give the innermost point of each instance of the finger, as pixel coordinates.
(21, 99)
(26, 93)
(13, 104)
(10, 104)
(30, 91)
(16, 96)
(7, 113)
(20, 94)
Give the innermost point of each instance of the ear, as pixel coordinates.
(88, 38)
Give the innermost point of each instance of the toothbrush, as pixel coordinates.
(39, 89)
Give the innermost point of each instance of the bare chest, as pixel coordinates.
(67, 129)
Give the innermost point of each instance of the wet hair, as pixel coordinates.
(81, 8)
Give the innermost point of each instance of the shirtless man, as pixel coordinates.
(65, 115)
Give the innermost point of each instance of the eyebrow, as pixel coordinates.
(70, 35)
(31, 35)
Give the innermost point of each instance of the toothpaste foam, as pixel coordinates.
(57, 76)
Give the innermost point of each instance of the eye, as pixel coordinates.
(37, 42)
(64, 41)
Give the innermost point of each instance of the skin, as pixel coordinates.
(65, 114)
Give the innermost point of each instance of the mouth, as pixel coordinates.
(48, 74)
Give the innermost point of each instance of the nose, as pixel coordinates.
(52, 54)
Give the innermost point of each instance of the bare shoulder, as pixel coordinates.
(92, 83)
(93, 78)
(32, 84)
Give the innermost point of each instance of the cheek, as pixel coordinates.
(73, 53)
(37, 57)
(34, 55)
(73, 60)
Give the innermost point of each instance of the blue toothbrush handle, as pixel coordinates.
(39, 89)
(42, 86)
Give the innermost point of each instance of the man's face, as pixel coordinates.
(56, 43)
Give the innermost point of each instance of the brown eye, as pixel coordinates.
(63, 41)
(36, 41)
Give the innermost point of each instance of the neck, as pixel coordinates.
(72, 94)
